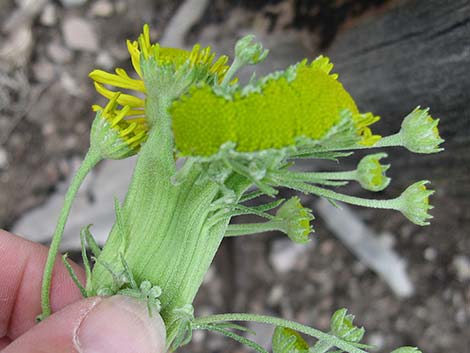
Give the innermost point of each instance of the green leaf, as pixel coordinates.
(342, 327)
(286, 340)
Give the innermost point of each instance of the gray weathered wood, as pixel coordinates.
(416, 53)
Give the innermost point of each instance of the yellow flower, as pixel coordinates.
(118, 133)
(200, 60)
(303, 101)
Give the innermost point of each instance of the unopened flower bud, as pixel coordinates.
(371, 174)
(297, 220)
(250, 53)
(419, 132)
(414, 203)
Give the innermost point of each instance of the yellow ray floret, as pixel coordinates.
(201, 59)
(127, 123)
(273, 116)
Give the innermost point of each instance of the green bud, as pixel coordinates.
(419, 132)
(342, 327)
(250, 53)
(414, 203)
(296, 220)
(407, 350)
(371, 174)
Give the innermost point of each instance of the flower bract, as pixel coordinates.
(419, 132)
(371, 174)
(116, 133)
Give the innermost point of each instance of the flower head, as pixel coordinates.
(117, 133)
(304, 101)
(371, 174)
(296, 220)
(419, 132)
(414, 203)
(199, 65)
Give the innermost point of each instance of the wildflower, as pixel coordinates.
(117, 133)
(414, 203)
(274, 112)
(199, 62)
(419, 132)
(371, 174)
(296, 220)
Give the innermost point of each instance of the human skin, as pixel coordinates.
(78, 325)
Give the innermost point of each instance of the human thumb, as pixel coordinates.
(117, 324)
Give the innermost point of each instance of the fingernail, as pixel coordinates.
(120, 324)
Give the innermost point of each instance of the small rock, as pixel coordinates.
(43, 71)
(462, 265)
(48, 129)
(102, 8)
(285, 255)
(276, 295)
(73, 3)
(430, 254)
(377, 340)
(15, 51)
(79, 34)
(105, 60)
(48, 16)
(59, 53)
(121, 7)
(69, 84)
(3, 158)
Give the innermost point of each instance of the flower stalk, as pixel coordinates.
(90, 160)
(233, 138)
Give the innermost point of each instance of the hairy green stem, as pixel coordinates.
(328, 194)
(317, 176)
(236, 65)
(320, 347)
(334, 341)
(90, 160)
(234, 230)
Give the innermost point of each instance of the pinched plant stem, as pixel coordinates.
(91, 159)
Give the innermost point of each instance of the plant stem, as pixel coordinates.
(236, 65)
(90, 160)
(320, 347)
(316, 176)
(234, 230)
(334, 341)
(328, 194)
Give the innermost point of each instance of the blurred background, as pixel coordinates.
(407, 285)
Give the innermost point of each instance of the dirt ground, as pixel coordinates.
(45, 99)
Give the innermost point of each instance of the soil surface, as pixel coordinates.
(45, 116)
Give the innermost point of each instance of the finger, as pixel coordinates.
(115, 324)
(21, 266)
(4, 342)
